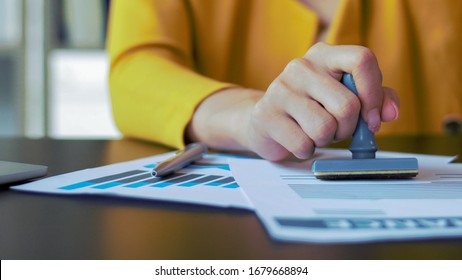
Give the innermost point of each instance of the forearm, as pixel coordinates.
(148, 100)
(221, 121)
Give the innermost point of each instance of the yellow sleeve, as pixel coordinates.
(154, 88)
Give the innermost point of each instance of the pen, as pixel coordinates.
(190, 153)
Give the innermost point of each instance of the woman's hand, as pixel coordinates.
(304, 107)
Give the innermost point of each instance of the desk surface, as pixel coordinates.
(38, 226)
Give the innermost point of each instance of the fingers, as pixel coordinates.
(390, 106)
(274, 134)
(362, 64)
(284, 137)
(304, 80)
(306, 106)
(285, 122)
(321, 126)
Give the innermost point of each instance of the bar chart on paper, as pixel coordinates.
(208, 181)
(143, 178)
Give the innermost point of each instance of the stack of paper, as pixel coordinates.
(292, 204)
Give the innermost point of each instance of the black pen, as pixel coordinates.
(190, 153)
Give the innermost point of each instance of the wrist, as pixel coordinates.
(221, 121)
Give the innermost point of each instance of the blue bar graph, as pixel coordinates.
(221, 182)
(152, 180)
(200, 181)
(209, 165)
(174, 181)
(101, 180)
(107, 185)
(123, 181)
(231, 186)
(142, 178)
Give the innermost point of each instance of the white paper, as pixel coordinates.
(219, 190)
(294, 205)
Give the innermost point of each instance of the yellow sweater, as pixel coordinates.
(168, 55)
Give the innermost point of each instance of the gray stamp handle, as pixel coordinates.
(363, 144)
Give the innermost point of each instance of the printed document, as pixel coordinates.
(206, 182)
(293, 205)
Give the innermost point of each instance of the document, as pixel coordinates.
(295, 206)
(208, 181)
(291, 203)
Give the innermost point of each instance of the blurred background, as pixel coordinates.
(53, 69)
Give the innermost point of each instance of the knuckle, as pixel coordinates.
(365, 56)
(325, 131)
(315, 49)
(276, 96)
(276, 88)
(293, 66)
(297, 65)
(303, 102)
(348, 109)
(347, 117)
(260, 142)
(259, 116)
(274, 154)
(302, 147)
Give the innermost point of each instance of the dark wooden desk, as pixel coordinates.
(35, 226)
